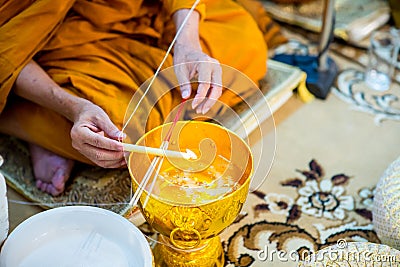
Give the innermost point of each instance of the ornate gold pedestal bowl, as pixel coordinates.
(193, 201)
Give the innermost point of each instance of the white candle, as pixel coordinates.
(3, 208)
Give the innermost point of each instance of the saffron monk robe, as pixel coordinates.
(68, 69)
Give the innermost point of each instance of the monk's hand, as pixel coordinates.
(191, 62)
(95, 136)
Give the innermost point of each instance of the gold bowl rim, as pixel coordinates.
(231, 194)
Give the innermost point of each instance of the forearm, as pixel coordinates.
(34, 84)
(190, 60)
(190, 32)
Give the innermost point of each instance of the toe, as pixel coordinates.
(39, 183)
(43, 186)
(53, 191)
(59, 178)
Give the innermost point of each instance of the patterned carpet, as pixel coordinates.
(320, 188)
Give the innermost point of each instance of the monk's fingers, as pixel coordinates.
(109, 128)
(208, 72)
(204, 72)
(114, 165)
(101, 150)
(82, 135)
(183, 76)
(94, 118)
(210, 87)
(215, 90)
(121, 163)
(102, 157)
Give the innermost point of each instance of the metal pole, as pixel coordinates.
(327, 28)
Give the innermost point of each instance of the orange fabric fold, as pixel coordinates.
(23, 33)
(104, 50)
(174, 5)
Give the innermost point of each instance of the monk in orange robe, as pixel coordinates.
(68, 69)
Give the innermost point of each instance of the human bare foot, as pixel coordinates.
(51, 170)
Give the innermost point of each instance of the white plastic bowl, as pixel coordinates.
(76, 236)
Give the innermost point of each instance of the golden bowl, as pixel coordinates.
(193, 201)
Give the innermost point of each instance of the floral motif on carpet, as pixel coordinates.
(317, 214)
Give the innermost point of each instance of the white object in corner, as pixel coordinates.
(3, 208)
(76, 236)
